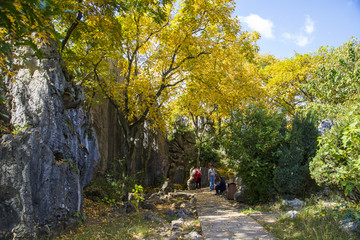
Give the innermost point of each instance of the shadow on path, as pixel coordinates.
(220, 220)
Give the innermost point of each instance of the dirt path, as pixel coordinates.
(220, 220)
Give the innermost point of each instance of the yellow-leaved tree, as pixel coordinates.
(223, 82)
(285, 81)
(22, 23)
(141, 54)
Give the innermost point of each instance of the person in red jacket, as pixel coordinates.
(197, 178)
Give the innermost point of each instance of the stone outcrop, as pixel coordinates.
(182, 151)
(109, 135)
(151, 151)
(204, 178)
(324, 126)
(52, 152)
(151, 156)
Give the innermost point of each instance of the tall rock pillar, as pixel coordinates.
(53, 151)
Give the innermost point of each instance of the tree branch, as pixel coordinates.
(71, 29)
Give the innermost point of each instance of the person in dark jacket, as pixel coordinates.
(220, 187)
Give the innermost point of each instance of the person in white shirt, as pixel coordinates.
(211, 177)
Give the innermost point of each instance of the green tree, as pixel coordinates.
(252, 139)
(292, 175)
(337, 78)
(335, 84)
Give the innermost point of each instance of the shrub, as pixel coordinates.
(209, 154)
(337, 162)
(292, 175)
(252, 140)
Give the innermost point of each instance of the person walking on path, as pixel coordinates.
(211, 177)
(197, 178)
(220, 187)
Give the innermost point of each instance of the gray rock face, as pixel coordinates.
(204, 178)
(108, 133)
(151, 150)
(155, 149)
(191, 181)
(46, 164)
(296, 203)
(324, 126)
(182, 150)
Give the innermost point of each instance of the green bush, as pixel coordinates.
(337, 162)
(209, 154)
(292, 176)
(109, 189)
(252, 140)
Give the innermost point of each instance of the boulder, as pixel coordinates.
(176, 225)
(167, 187)
(324, 126)
(292, 214)
(240, 196)
(296, 203)
(147, 205)
(154, 199)
(151, 154)
(351, 226)
(204, 177)
(186, 196)
(194, 235)
(170, 213)
(150, 217)
(51, 156)
(191, 180)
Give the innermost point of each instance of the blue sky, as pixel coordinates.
(302, 26)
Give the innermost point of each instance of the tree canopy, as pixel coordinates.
(155, 60)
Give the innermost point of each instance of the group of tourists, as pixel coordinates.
(219, 188)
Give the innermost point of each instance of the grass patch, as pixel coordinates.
(101, 223)
(314, 223)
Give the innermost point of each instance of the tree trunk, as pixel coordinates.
(129, 133)
(198, 154)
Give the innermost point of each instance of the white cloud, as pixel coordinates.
(300, 39)
(309, 25)
(259, 24)
(303, 37)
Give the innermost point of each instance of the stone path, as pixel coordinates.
(220, 220)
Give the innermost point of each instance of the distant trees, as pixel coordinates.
(325, 83)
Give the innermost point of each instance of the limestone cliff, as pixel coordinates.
(182, 151)
(150, 156)
(47, 161)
